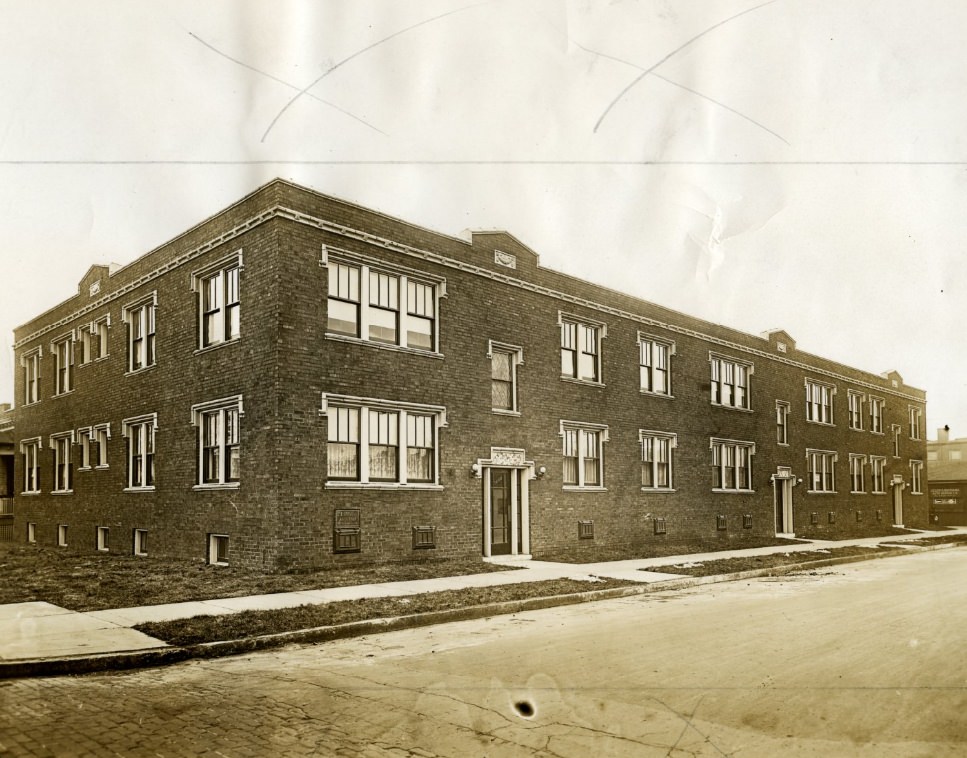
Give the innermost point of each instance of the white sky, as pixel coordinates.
(802, 166)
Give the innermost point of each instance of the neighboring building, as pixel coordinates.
(947, 479)
(299, 381)
(7, 448)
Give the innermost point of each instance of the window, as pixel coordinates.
(62, 535)
(955, 455)
(580, 349)
(63, 469)
(656, 459)
(782, 422)
(730, 382)
(63, 350)
(504, 360)
(84, 436)
(876, 415)
(218, 549)
(732, 465)
(103, 539)
(140, 321)
(381, 443)
(220, 305)
(94, 340)
(381, 305)
(140, 541)
(821, 467)
(857, 464)
(93, 443)
(583, 454)
(819, 402)
(877, 466)
(31, 366)
(219, 454)
(916, 475)
(140, 433)
(932, 455)
(895, 428)
(855, 400)
(30, 450)
(915, 417)
(31, 532)
(654, 364)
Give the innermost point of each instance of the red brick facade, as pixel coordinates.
(289, 371)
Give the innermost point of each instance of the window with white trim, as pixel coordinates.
(218, 549)
(93, 444)
(730, 381)
(895, 428)
(821, 470)
(656, 459)
(504, 360)
(31, 365)
(63, 351)
(139, 318)
(30, 450)
(855, 401)
(93, 337)
(782, 422)
(140, 434)
(84, 440)
(581, 348)
(140, 542)
(876, 415)
(857, 469)
(583, 449)
(63, 467)
(384, 305)
(819, 402)
(62, 535)
(219, 303)
(916, 416)
(877, 469)
(381, 443)
(219, 451)
(103, 539)
(654, 364)
(916, 477)
(732, 465)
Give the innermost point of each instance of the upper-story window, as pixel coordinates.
(895, 428)
(581, 348)
(94, 344)
(376, 303)
(877, 468)
(855, 401)
(654, 358)
(63, 350)
(819, 402)
(876, 415)
(93, 444)
(915, 418)
(821, 468)
(730, 381)
(382, 443)
(583, 448)
(857, 467)
(732, 465)
(782, 422)
(31, 365)
(504, 360)
(656, 459)
(30, 450)
(63, 468)
(916, 477)
(139, 317)
(140, 434)
(219, 453)
(220, 304)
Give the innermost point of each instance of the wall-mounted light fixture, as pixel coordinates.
(541, 471)
(475, 469)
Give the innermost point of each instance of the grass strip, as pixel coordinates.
(776, 560)
(235, 626)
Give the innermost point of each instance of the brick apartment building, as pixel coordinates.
(299, 381)
(947, 479)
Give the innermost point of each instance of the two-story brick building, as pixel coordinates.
(299, 381)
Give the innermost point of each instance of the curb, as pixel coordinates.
(171, 655)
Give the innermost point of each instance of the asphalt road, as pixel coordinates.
(860, 660)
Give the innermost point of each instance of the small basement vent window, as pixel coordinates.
(140, 541)
(346, 537)
(721, 523)
(832, 517)
(747, 521)
(879, 515)
(859, 515)
(424, 537)
(103, 539)
(218, 549)
(661, 526)
(31, 532)
(814, 518)
(62, 535)
(586, 530)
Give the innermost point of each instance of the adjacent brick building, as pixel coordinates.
(299, 381)
(947, 479)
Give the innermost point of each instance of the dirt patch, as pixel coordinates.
(752, 562)
(659, 550)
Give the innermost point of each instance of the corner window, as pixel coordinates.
(915, 418)
(63, 350)
(821, 468)
(916, 476)
(877, 467)
(220, 305)
(819, 402)
(219, 453)
(31, 366)
(654, 359)
(30, 451)
(504, 360)
(855, 402)
(140, 434)
(583, 454)
(63, 468)
(581, 349)
(876, 415)
(730, 382)
(656, 459)
(857, 466)
(732, 465)
(782, 422)
(139, 319)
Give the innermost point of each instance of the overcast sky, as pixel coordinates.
(798, 164)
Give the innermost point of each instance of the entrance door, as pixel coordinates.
(500, 510)
(783, 489)
(898, 504)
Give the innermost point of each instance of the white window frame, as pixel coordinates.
(723, 446)
(363, 406)
(516, 355)
(583, 429)
(648, 370)
(782, 423)
(98, 327)
(84, 441)
(144, 428)
(143, 313)
(30, 361)
(213, 542)
(916, 477)
(218, 272)
(857, 473)
(405, 308)
(916, 418)
(877, 406)
(826, 472)
(62, 535)
(648, 436)
(31, 465)
(724, 373)
(62, 349)
(878, 474)
(855, 402)
(897, 430)
(61, 443)
(582, 328)
(820, 411)
(139, 539)
(218, 409)
(31, 532)
(103, 539)
(93, 444)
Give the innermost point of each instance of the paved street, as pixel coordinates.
(865, 660)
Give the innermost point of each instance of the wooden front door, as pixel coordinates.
(898, 504)
(500, 510)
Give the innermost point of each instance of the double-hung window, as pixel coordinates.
(385, 305)
(821, 468)
(63, 350)
(730, 382)
(855, 401)
(140, 434)
(94, 340)
(732, 465)
(782, 422)
(654, 359)
(819, 402)
(504, 360)
(876, 415)
(30, 450)
(581, 348)
(895, 428)
(857, 466)
(219, 452)
(877, 467)
(916, 415)
(916, 477)
(93, 444)
(381, 443)
(656, 459)
(139, 318)
(31, 365)
(583, 447)
(63, 468)
(219, 303)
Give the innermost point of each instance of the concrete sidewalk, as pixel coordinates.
(31, 631)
